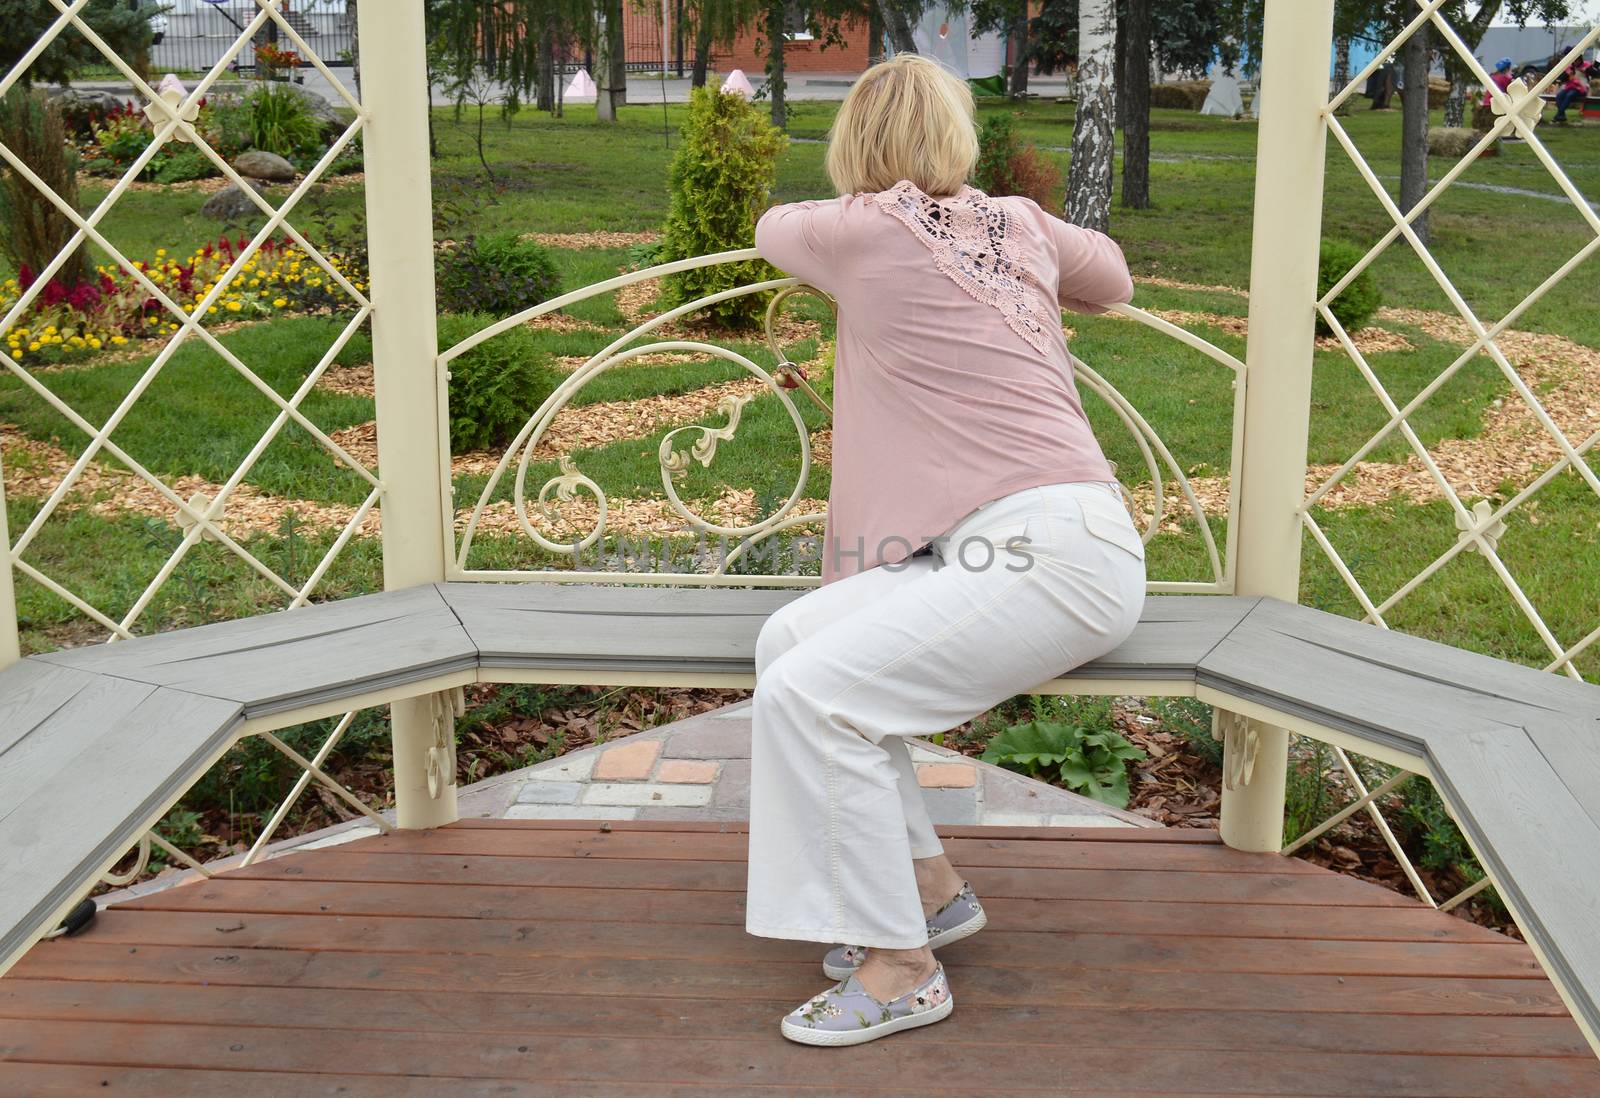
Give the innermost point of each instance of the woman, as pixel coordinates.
(976, 542)
(1574, 89)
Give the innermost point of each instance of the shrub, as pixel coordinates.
(1091, 761)
(1185, 95)
(281, 122)
(1456, 141)
(719, 182)
(32, 229)
(497, 274)
(181, 165)
(1007, 165)
(1355, 306)
(495, 387)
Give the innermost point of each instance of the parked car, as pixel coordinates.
(157, 18)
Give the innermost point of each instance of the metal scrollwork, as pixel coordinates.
(444, 707)
(1241, 743)
(675, 463)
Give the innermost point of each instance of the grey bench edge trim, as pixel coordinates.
(287, 703)
(1505, 881)
(174, 785)
(1406, 745)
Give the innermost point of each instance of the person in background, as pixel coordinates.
(1574, 88)
(1501, 78)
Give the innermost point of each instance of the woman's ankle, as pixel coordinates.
(937, 882)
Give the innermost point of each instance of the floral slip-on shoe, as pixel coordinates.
(846, 1015)
(960, 918)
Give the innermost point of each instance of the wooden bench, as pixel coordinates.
(97, 743)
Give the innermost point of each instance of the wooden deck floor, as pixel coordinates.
(554, 958)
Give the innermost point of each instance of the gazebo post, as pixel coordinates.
(1286, 239)
(10, 647)
(412, 457)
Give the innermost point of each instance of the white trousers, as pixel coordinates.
(846, 672)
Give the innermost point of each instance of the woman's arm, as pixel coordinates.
(1094, 274)
(798, 239)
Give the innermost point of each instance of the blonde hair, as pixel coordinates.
(905, 118)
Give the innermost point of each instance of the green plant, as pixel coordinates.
(719, 181)
(496, 386)
(182, 164)
(1008, 165)
(997, 142)
(500, 274)
(644, 255)
(281, 122)
(1359, 300)
(32, 229)
(1088, 760)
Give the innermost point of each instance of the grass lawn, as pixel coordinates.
(570, 175)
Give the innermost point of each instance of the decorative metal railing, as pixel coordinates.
(1166, 474)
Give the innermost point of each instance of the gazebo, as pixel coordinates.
(406, 963)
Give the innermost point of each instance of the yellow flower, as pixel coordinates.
(279, 302)
(94, 343)
(233, 306)
(211, 308)
(34, 346)
(161, 251)
(119, 339)
(16, 354)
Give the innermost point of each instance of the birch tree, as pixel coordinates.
(610, 72)
(1093, 136)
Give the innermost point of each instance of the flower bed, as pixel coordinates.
(68, 323)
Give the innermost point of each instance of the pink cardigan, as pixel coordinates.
(951, 382)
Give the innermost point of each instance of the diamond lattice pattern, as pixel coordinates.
(171, 116)
(1480, 523)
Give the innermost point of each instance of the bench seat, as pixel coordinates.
(96, 743)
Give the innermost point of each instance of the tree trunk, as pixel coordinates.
(1134, 100)
(702, 50)
(897, 25)
(1414, 128)
(350, 9)
(1455, 107)
(1093, 141)
(610, 61)
(1019, 50)
(546, 91)
(776, 86)
(1117, 74)
(1341, 62)
(875, 34)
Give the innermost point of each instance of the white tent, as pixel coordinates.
(582, 86)
(738, 83)
(1224, 98)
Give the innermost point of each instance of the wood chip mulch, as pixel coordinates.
(586, 241)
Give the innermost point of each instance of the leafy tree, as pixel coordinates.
(510, 43)
(124, 29)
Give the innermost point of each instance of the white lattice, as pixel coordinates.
(172, 120)
(1479, 524)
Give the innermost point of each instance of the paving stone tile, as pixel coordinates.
(688, 771)
(575, 767)
(733, 786)
(571, 812)
(946, 775)
(726, 740)
(488, 799)
(951, 806)
(646, 794)
(549, 793)
(631, 761)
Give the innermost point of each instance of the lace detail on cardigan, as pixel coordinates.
(967, 234)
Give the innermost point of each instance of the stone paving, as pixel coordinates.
(699, 769)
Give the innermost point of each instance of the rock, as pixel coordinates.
(68, 98)
(231, 203)
(260, 164)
